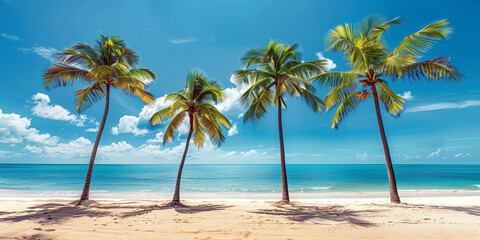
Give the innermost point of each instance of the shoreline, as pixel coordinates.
(18, 194)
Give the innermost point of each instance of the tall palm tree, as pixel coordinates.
(195, 102)
(277, 73)
(109, 64)
(372, 63)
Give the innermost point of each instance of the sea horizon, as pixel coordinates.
(236, 181)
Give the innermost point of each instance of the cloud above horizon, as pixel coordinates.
(45, 52)
(330, 64)
(44, 109)
(444, 105)
(15, 129)
(182, 40)
(10, 37)
(407, 95)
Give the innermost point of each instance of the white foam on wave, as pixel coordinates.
(320, 188)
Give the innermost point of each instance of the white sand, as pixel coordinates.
(452, 217)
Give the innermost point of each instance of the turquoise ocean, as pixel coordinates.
(229, 181)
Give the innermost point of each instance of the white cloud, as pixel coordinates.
(361, 156)
(147, 111)
(183, 40)
(10, 37)
(407, 95)
(128, 124)
(158, 138)
(406, 156)
(444, 105)
(233, 130)
(240, 115)
(44, 109)
(231, 100)
(95, 129)
(45, 52)
(435, 154)
(33, 149)
(331, 65)
(77, 149)
(462, 155)
(15, 129)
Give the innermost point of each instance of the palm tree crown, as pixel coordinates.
(277, 72)
(195, 101)
(372, 63)
(109, 63)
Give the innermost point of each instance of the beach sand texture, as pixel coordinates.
(366, 218)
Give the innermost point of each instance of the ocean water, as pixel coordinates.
(158, 181)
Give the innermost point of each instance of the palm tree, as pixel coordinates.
(372, 63)
(277, 73)
(109, 64)
(194, 101)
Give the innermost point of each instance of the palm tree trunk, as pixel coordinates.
(394, 198)
(285, 195)
(88, 179)
(176, 195)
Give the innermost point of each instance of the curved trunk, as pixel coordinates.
(88, 179)
(394, 198)
(176, 195)
(285, 195)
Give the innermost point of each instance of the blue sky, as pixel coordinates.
(440, 124)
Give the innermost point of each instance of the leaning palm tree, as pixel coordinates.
(277, 73)
(195, 102)
(372, 63)
(109, 64)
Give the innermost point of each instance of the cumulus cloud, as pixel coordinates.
(330, 64)
(44, 109)
(128, 124)
(16, 129)
(444, 105)
(10, 37)
(157, 139)
(45, 52)
(183, 40)
(407, 95)
(233, 130)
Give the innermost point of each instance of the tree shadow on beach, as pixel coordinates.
(54, 213)
(471, 210)
(318, 214)
(184, 209)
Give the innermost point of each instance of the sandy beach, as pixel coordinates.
(452, 217)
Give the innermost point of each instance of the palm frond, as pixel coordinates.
(335, 79)
(419, 42)
(173, 126)
(435, 69)
(393, 102)
(61, 76)
(347, 99)
(89, 95)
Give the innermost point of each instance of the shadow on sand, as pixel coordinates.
(184, 209)
(319, 214)
(56, 212)
(471, 210)
(53, 213)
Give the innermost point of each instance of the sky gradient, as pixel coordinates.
(440, 123)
